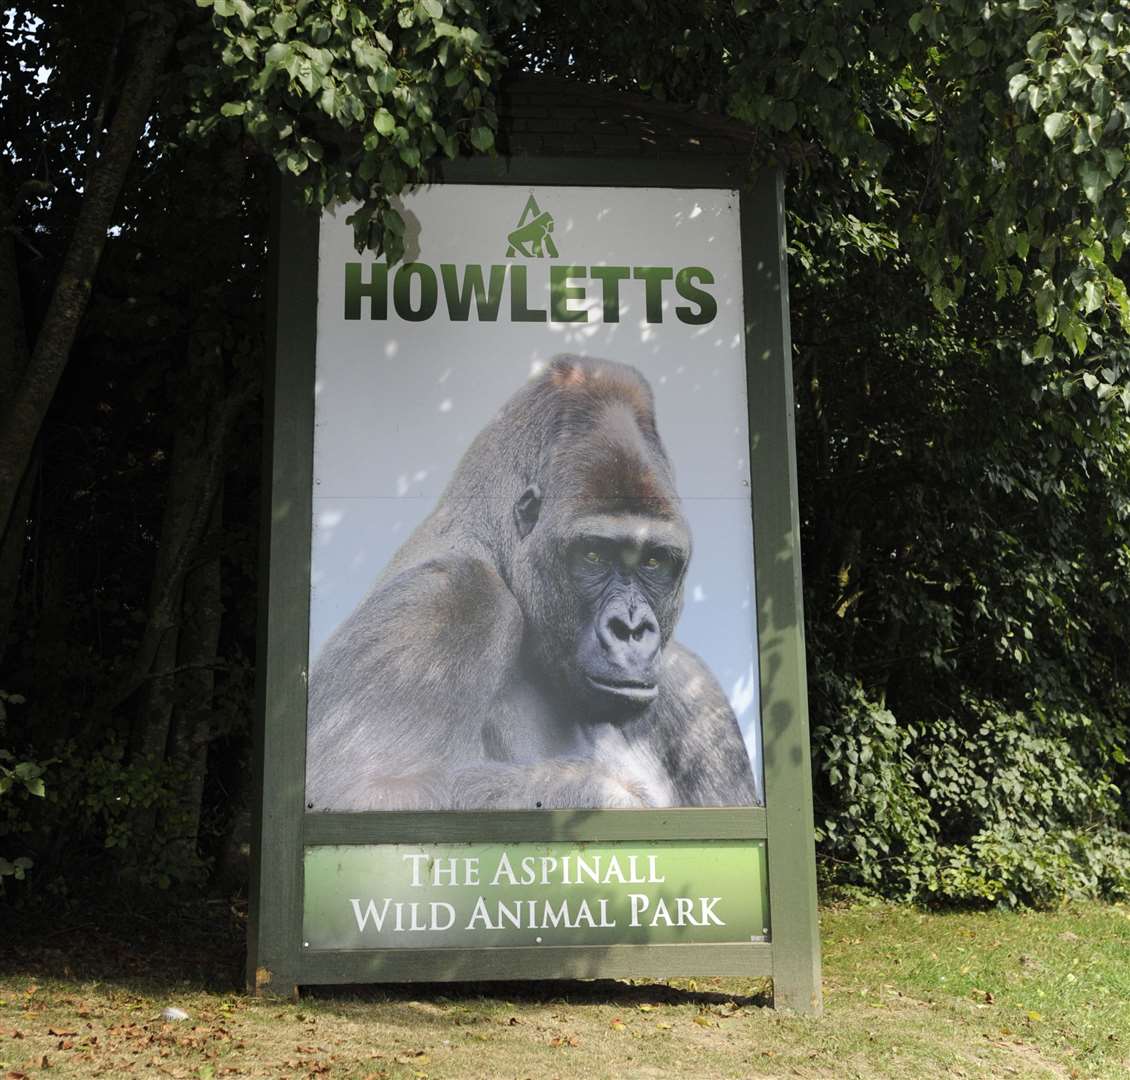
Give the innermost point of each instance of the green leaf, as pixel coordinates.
(1095, 180)
(233, 108)
(1089, 380)
(434, 8)
(941, 297)
(34, 787)
(784, 115)
(384, 122)
(1092, 297)
(283, 22)
(1017, 85)
(1076, 334)
(1045, 306)
(410, 155)
(482, 138)
(368, 56)
(1055, 124)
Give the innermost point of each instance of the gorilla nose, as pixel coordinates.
(631, 638)
(626, 631)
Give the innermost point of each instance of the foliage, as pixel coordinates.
(356, 99)
(958, 179)
(967, 565)
(17, 778)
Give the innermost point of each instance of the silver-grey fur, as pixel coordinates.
(448, 687)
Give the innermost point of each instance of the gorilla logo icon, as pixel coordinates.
(518, 651)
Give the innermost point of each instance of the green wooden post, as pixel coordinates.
(275, 909)
(780, 617)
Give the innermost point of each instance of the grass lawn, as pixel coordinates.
(907, 995)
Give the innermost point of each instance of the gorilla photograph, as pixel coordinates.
(521, 648)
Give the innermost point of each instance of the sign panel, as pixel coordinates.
(397, 896)
(532, 579)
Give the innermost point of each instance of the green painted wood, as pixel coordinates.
(276, 902)
(275, 946)
(627, 172)
(503, 826)
(551, 962)
(784, 694)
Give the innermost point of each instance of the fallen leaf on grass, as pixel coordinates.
(1034, 1016)
(645, 1007)
(57, 1031)
(618, 1025)
(414, 1057)
(564, 1040)
(705, 1021)
(662, 1026)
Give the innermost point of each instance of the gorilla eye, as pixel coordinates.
(661, 564)
(592, 556)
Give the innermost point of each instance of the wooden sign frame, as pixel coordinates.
(277, 960)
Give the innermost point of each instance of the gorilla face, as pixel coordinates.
(627, 574)
(602, 553)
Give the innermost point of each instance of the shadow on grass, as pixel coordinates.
(545, 991)
(155, 944)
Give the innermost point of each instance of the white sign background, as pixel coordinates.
(397, 403)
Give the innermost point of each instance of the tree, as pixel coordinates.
(956, 170)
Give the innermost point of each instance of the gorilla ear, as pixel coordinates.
(527, 509)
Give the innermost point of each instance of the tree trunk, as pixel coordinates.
(198, 641)
(26, 408)
(12, 546)
(13, 362)
(182, 626)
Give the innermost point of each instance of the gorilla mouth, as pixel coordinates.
(626, 689)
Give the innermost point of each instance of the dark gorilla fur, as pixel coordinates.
(517, 652)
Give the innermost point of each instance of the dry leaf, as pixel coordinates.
(618, 1025)
(1033, 1016)
(645, 1008)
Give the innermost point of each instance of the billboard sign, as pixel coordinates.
(533, 583)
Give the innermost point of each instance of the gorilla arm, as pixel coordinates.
(696, 736)
(405, 689)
